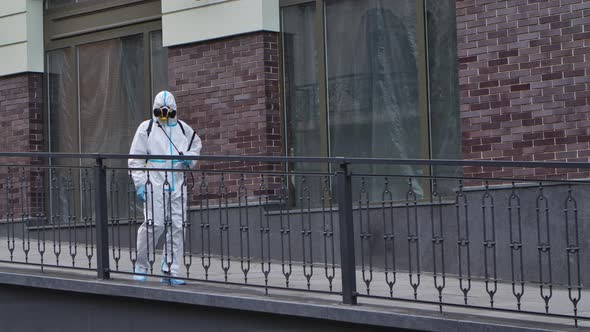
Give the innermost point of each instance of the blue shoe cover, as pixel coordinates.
(142, 276)
(176, 282)
(164, 267)
(173, 281)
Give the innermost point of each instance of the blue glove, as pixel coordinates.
(141, 193)
(179, 164)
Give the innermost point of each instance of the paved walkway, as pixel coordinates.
(402, 289)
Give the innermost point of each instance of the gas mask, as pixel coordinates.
(164, 113)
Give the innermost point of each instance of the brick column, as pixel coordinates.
(21, 123)
(525, 82)
(228, 91)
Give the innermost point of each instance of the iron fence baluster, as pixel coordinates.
(87, 208)
(167, 213)
(54, 196)
(40, 216)
(516, 246)
(10, 214)
(110, 211)
(187, 256)
(437, 242)
(114, 219)
(132, 229)
(244, 228)
(574, 280)
(62, 217)
(26, 192)
(388, 237)
(117, 214)
(72, 220)
(463, 243)
(413, 237)
(149, 213)
(365, 235)
(56, 220)
(285, 222)
(264, 233)
(306, 246)
(224, 228)
(544, 246)
(205, 226)
(328, 232)
(489, 243)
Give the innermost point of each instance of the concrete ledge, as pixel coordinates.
(294, 304)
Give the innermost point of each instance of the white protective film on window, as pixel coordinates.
(373, 87)
(302, 116)
(382, 59)
(112, 102)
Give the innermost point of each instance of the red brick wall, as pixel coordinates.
(21, 124)
(21, 107)
(525, 82)
(228, 91)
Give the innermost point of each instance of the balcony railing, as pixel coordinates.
(363, 229)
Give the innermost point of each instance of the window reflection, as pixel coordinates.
(382, 59)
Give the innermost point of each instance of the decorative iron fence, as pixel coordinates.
(506, 244)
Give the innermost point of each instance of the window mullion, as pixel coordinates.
(423, 94)
(322, 78)
(147, 69)
(320, 31)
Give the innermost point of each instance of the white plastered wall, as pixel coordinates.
(189, 21)
(21, 36)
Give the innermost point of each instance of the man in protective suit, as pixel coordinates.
(163, 192)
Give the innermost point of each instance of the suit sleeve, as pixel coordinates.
(195, 146)
(138, 146)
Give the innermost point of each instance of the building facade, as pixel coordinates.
(473, 79)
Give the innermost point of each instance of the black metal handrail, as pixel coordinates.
(330, 160)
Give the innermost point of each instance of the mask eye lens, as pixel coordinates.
(164, 111)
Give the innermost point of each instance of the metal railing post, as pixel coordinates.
(100, 206)
(347, 259)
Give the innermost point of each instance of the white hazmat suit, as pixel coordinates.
(163, 193)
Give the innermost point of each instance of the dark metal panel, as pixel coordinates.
(104, 35)
(287, 3)
(87, 7)
(72, 24)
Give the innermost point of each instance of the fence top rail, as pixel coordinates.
(318, 160)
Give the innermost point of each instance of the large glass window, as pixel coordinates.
(373, 79)
(98, 94)
(105, 61)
